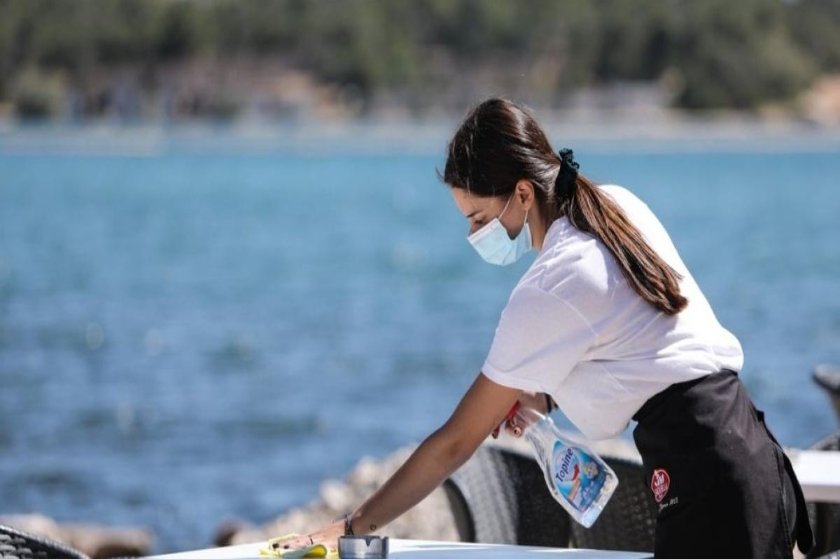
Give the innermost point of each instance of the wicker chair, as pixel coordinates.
(21, 545)
(628, 521)
(499, 496)
(825, 517)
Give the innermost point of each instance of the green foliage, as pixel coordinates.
(736, 54)
(37, 95)
(815, 27)
(718, 53)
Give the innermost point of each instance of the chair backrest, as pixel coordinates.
(19, 544)
(499, 496)
(628, 520)
(828, 378)
(825, 517)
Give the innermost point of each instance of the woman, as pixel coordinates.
(609, 324)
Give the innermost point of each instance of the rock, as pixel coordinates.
(429, 520)
(334, 495)
(227, 530)
(821, 103)
(98, 542)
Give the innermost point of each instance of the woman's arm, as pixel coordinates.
(481, 409)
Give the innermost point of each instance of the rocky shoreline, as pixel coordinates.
(431, 519)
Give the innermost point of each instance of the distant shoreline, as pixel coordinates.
(660, 131)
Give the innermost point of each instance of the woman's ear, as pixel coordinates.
(525, 192)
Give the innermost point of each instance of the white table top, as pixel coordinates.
(420, 549)
(818, 472)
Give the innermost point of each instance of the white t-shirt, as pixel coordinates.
(575, 329)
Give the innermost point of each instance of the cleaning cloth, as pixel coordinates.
(275, 549)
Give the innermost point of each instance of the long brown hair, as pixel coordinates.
(500, 143)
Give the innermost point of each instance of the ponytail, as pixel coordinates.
(590, 210)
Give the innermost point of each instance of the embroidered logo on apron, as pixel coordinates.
(660, 481)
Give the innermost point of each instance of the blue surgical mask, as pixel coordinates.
(495, 246)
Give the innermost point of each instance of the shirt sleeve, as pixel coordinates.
(539, 340)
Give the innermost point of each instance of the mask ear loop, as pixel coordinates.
(508, 204)
(530, 235)
(524, 223)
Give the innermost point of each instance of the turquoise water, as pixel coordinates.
(189, 334)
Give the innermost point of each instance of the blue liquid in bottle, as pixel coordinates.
(577, 477)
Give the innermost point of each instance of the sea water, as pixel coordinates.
(192, 331)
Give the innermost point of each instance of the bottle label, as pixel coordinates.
(577, 476)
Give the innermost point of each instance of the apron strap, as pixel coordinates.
(804, 534)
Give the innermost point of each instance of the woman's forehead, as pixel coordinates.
(469, 203)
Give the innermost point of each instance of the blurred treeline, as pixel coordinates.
(89, 55)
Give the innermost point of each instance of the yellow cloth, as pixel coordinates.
(275, 549)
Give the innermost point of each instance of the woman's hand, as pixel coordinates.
(328, 536)
(538, 401)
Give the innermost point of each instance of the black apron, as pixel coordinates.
(723, 485)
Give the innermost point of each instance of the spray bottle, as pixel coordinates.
(577, 477)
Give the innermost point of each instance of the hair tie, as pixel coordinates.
(564, 184)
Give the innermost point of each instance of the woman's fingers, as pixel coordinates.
(511, 425)
(510, 428)
(305, 541)
(285, 543)
(327, 536)
(513, 428)
(297, 544)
